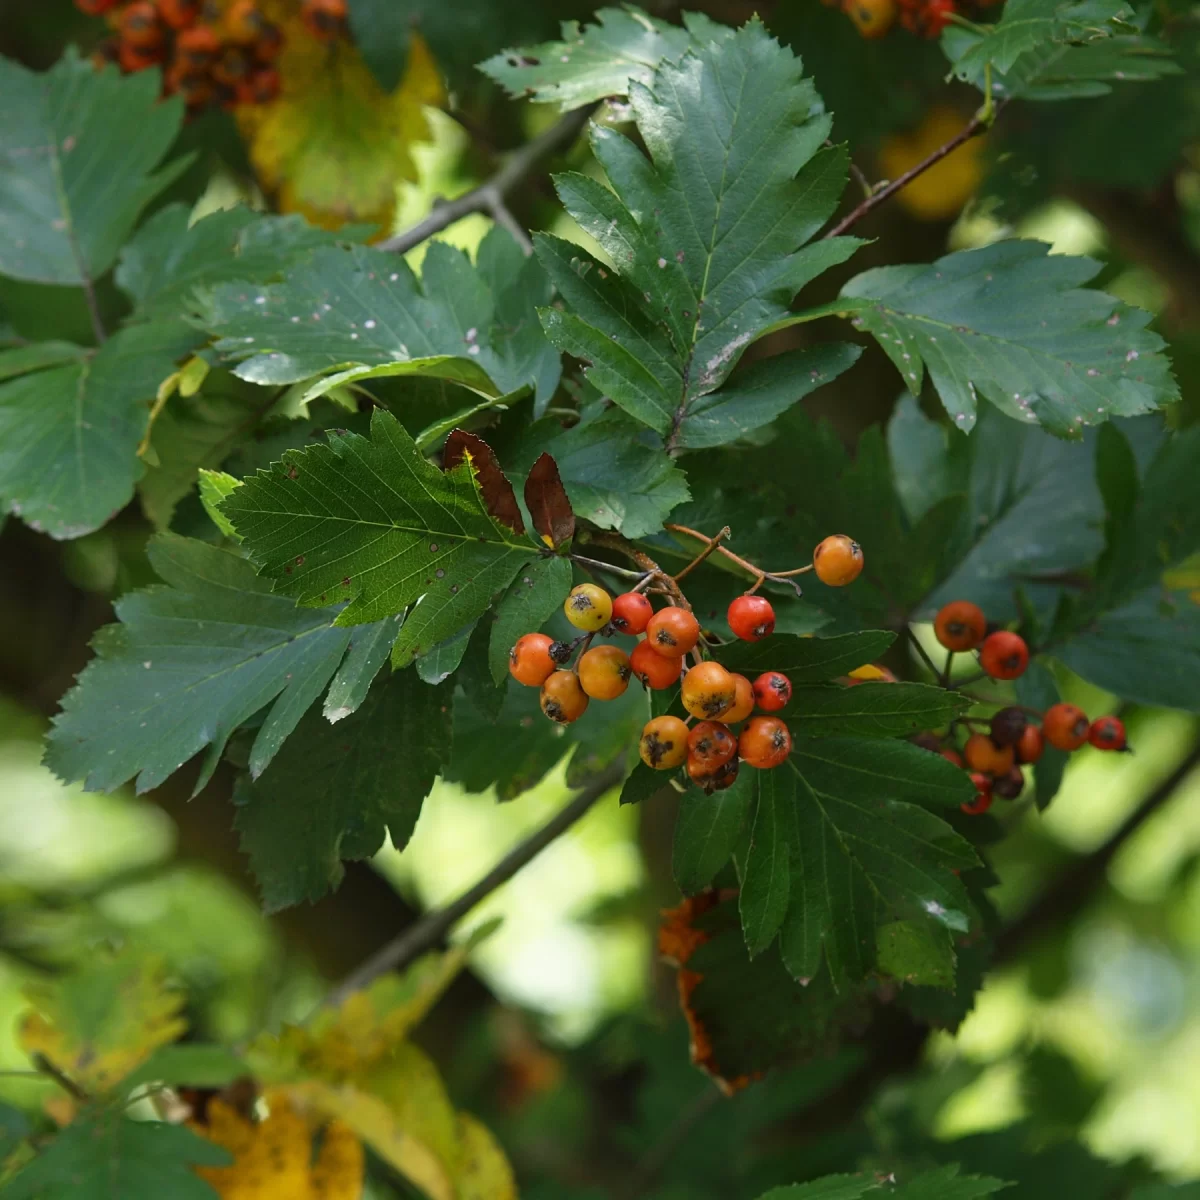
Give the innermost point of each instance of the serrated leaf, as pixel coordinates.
(437, 665)
(498, 496)
(58, 132)
(916, 953)
(104, 1154)
(161, 689)
(546, 498)
(945, 1183)
(369, 648)
(69, 434)
(806, 659)
(532, 598)
(871, 709)
(372, 522)
(1012, 323)
(832, 1187)
(707, 830)
(707, 236)
(213, 487)
(335, 791)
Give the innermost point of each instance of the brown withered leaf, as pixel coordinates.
(497, 492)
(548, 504)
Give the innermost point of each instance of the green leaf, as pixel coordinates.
(871, 709)
(945, 1183)
(437, 665)
(356, 314)
(186, 665)
(767, 870)
(25, 359)
(922, 468)
(368, 650)
(617, 475)
(806, 659)
(1038, 689)
(596, 61)
(69, 434)
(707, 830)
(214, 487)
(1116, 473)
(707, 237)
(103, 1154)
(642, 784)
(832, 1187)
(335, 791)
(78, 148)
(916, 952)
(1012, 323)
(532, 598)
(372, 522)
(188, 1064)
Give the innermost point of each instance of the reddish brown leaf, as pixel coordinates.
(548, 505)
(498, 493)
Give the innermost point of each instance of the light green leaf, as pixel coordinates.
(707, 829)
(1012, 323)
(532, 598)
(372, 522)
(916, 952)
(214, 487)
(78, 148)
(186, 665)
(188, 1064)
(335, 791)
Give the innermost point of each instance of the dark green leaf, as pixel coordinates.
(707, 829)
(372, 522)
(916, 952)
(806, 659)
(944, 1183)
(922, 468)
(335, 791)
(767, 870)
(78, 148)
(1012, 323)
(188, 1064)
(1037, 689)
(187, 664)
(643, 783)
(1116, 473)
(871, 709)
(832, 1187)
(535, 594)
(437, 665)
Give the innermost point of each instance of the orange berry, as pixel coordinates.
(1004, 655)
(197, 48)
(765, 742)
(664, 743)
(708, 690)
(838, 560)
(140, 26)
(588, 607)
(712, 743)
(953, 756)
(652, 669)
(563, 699)
(872, 18)
(530, 661)
(712, 779)
(1107, 733)
(325, 18)
(179, 14)
(751, 618)
(982, 754)
(772, 690)
(631, 612)
(604, 672)
(672, 631)
(960, 625)
(134, 58)
(1065, 726)
(743, 700)
(1029, 748)
(244, 22)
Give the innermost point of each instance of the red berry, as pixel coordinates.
(765, 742)
(751, 618)
(95, 8)
(953, 756)
(631, 612)
(711, 742)
(1029, 748)
(140, 26)
(960, 625)
(1107, 733)
(712, 779)
(937, 17)
(1004, 655)
(179, 14)
(982, 754)
(772, 690)
(652, 669)
(981, 803)
(672, 632)
(1065, 726)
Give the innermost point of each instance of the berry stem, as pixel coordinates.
(759, 574)
(624, 572)
(614, 541)
(713, 544)
(921, 651)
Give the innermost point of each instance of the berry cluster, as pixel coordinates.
(1014, 736)
(714, 697)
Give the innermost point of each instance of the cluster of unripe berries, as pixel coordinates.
(875, 18)
(714, 697)
(1014, 738)
(209, 57)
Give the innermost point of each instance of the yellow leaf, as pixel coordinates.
(939, 193)
(98, 1023)
(334, 146)
(273, 1158)
(483, 1170)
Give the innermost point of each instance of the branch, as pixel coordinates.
(433, 926)
(489, 197)
(1074, 887)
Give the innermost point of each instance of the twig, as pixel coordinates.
(433, 926)
(490, 196)
(1073, 888)
(976, 125)
(916, 641)
(759, 574)
(614, 541)
(46, 1067)
(624, 572)
(713, 544)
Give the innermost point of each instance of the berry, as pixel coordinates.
(712, 779)
(982, 754)
(937, 17)
(135, 58)
(1107, 733)
(1029, 748)
(325, 18)
(261, 88)
(179, 14)
(1004, 655)
(1008, 725)
(652, 669)
(981, 803)
(1065, 726)
(196, 48)
(268, 44)
(140, 26)
(743, 701)
(872, 18)
(95, 8)
(531, 660)
(772, 690)
(672, 631)
(233, 66)
(588, 607)
(664, 743)
(751, 618)
(630, 612)
(244, 22)
(765, 742)
(604, 672)
(563, 699)
(708, 690)
(927, 741)
(1009, 785)
(712, 743)
(838, 560)
(960, 625)
(953, 756)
